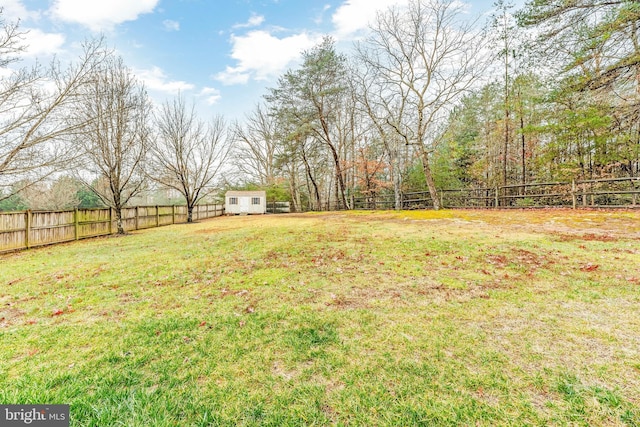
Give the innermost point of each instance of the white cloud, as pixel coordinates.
(156, 79)
(14, 9)
(39, 43)
(101, 15)
(233, 76)
(355, 15)
(211, 95)
(320, 18)
(170, 25)
(254, 21)
(260, 55)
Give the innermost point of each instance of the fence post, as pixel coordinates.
(497, 199)
(76, 224)
(173, 214)
(157, 216)
(137, 215)
(27, 227)
(574, 197)
(110, 220)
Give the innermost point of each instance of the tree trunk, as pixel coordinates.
(397, 191)
(506, 147)
(342, 199)
(295, 192)
(316, 191)
(524, 153)
(189, 213)
(433, 192)
(119, 223)
(397, 180)
(523, 145)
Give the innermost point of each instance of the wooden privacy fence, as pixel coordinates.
(28, 229)
(613, 192)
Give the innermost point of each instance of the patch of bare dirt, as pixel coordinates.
(563, 237)
(10, 315)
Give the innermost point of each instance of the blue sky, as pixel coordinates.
(221, 54)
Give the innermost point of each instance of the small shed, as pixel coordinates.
(245, 202)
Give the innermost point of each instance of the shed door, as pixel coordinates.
(244, 204)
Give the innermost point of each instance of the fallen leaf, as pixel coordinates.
(589, 267)
(57, 312)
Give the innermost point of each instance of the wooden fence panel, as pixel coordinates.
(181, 214)
(93, 222)
(12, 221)
(12, 231)
(11, 240)
(129, 222)
(146, 217)
(165, 215)
(21, 230)
(52, 227)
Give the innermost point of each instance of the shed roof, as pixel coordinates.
(235, 193)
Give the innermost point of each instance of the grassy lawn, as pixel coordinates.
(356, 318)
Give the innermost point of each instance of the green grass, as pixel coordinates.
(359, 318)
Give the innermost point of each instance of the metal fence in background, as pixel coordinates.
(612, 193)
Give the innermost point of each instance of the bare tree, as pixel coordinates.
(36, 139)
(189, 154)
(10, 41)
(257, 147)
(426, 57)
(372, 102)
(115, 113)
(57, 195)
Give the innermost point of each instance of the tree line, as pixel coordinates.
(430, 98)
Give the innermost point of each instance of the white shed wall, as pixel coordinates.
(246, 203)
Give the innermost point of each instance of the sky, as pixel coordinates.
(220, 54)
